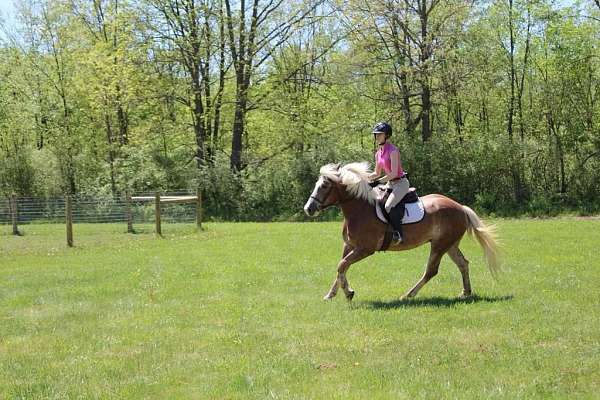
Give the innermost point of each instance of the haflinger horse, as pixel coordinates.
(444, 224)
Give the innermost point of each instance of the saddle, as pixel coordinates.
(410, 197)
(409, 210)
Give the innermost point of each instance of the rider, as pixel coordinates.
(387, 159)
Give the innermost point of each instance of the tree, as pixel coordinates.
(190, 34)
(252, 41)
(46, 44)
(409, 37)
(107, 76)
(16, 169)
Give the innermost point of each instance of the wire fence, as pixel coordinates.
(93, 209)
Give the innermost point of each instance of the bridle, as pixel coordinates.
(320, 201)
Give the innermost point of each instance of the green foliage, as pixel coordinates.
(17, 171)
(16, 174)
(97, 98)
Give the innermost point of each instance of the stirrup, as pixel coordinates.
(396, 237)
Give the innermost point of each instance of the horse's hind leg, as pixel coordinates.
(435, 256)
(463, 266)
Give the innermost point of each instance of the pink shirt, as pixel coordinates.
(383, 159)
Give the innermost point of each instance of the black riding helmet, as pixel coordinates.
(382, 127)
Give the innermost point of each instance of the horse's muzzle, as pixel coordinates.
(311, 208)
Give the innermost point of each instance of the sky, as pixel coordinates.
(6, 12)
(7, 18)
(6, 8)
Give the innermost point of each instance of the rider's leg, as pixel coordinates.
(399, 190)
(396, 216)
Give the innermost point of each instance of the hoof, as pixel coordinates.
(328, 296)
(350, 295)
(464, 296)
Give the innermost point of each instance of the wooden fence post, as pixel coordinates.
(14, 213)
(69, 220)
(199, 208)
(157, 213)
(128, 212)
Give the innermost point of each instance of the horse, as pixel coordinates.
(444, 224)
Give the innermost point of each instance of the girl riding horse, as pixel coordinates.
(387, 160)
(444, 224)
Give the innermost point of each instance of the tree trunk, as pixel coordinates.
(111, 155)
(218, 101)
(518, 191)
(425, 117)
(242, 54)
(409, 122)
(238, 130)
(123, 120)
(424, 79)
(199, 129)
(562, 188)
(511, 55)
(458, 118)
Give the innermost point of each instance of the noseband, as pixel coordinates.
(320, 202)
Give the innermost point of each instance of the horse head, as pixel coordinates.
(325, 193)
(337, 184)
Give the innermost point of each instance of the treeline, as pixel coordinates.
(494, 103)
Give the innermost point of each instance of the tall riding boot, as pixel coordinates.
(396, 215)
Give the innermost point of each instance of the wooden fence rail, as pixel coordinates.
(25, 210)
(69, 219)
(158, 227)
(14, 214)
(159, 200)
(128, 213)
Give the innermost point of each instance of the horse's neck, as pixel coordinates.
(355, 208)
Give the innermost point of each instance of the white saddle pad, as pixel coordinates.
(413, 212)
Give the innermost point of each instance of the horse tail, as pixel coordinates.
(487, 238)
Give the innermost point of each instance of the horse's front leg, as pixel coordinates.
(350, 256)
(336, 282)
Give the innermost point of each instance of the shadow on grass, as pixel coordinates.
(431, 302)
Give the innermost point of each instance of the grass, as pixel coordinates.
(235, 312)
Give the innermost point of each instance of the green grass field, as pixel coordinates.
(235, 312)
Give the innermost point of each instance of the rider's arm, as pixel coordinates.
(377, 172)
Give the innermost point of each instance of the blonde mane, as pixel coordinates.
(355, 176)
